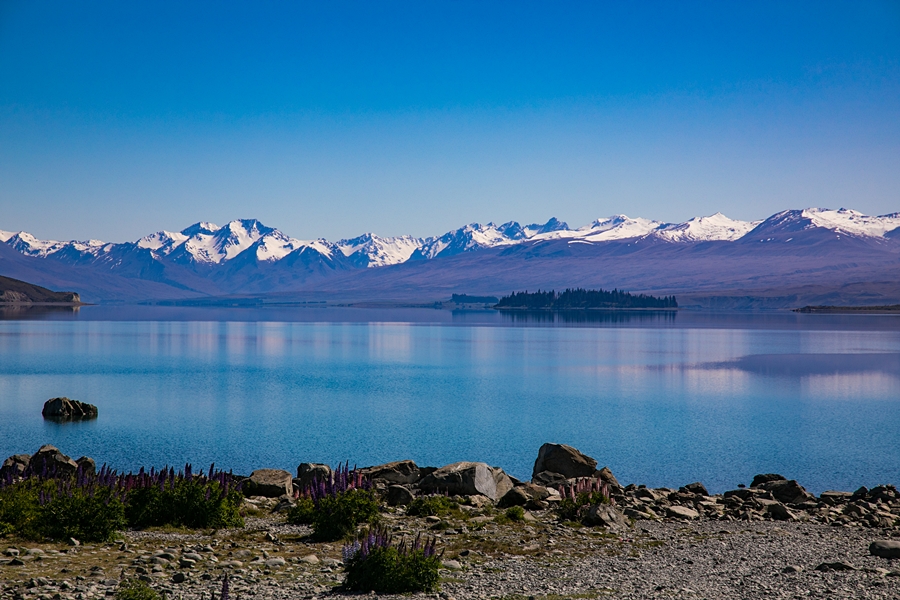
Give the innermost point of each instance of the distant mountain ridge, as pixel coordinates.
(249, 258)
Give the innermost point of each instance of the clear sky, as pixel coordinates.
(330, 119)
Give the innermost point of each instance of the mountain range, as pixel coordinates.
(794, 256)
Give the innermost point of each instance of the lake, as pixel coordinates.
(661, 398)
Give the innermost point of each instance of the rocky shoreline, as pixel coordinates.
(772, 539)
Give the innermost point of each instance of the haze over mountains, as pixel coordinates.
(795, 256)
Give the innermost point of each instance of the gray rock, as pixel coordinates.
(401, 472)
(87, 465)
(792, 569)
(885, 548)
(452, 564)
(270, 483)
(398, 495)
(789, 492)
(682, 512)
(514, 497)
(565, 460)
(179, 577)
(65, 409)
(275, 562)
(310, 559)
(605, 515)
(833, 498)
(14, 466)
(694, 488)
(762, 478)
(549, 479)
(606, 475)
(468, 479)
(779, 512)
(307, 473)
(48, 459)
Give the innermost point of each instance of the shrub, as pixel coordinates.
(376, 565)
(427, 506)
(337, 516)
(92, 506)
(134, 589)
(515, 513)
(579, 497)
(336, 507)
(183, 500)
(303, 512)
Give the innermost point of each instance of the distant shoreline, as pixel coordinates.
(886, 309)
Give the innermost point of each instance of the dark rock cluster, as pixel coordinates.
(66, 409)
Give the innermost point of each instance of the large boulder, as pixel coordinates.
(49, 461)
(565, 460)
(401, 472)
(309, 473)
(65, 409)
(270, 483)
(762, 478)
(522, 494)
(468, 479)
(787, 491)
(14, 467)
(399, 495)
(605, 515)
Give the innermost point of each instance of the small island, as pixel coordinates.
(582, 299)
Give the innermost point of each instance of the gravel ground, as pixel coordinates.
(539, 558)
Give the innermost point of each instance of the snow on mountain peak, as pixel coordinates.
(704, 229)
(852, 222)
(5, 235)
(163, 241)
(371, 250)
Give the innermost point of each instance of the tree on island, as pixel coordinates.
(580, 298)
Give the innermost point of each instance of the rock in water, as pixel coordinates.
(65, 409)
(270, 483)
(468, 479)
(885, 548)
(565, 460)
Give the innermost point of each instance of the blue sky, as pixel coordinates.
(330, 119)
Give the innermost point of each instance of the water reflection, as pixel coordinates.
(587, 316)
(803, 365)
(26, 312)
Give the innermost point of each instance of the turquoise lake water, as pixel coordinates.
(662, 399)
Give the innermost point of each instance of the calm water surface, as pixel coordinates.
(660, 399)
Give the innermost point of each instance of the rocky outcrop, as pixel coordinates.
(87, 465)
(270, 483)
(49, 461)
(66, 409)
(468, 479)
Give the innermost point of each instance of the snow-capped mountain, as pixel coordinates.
(370, 250)
(245, 256)
(706, 229)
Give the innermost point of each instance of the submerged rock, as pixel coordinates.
(66, 409)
